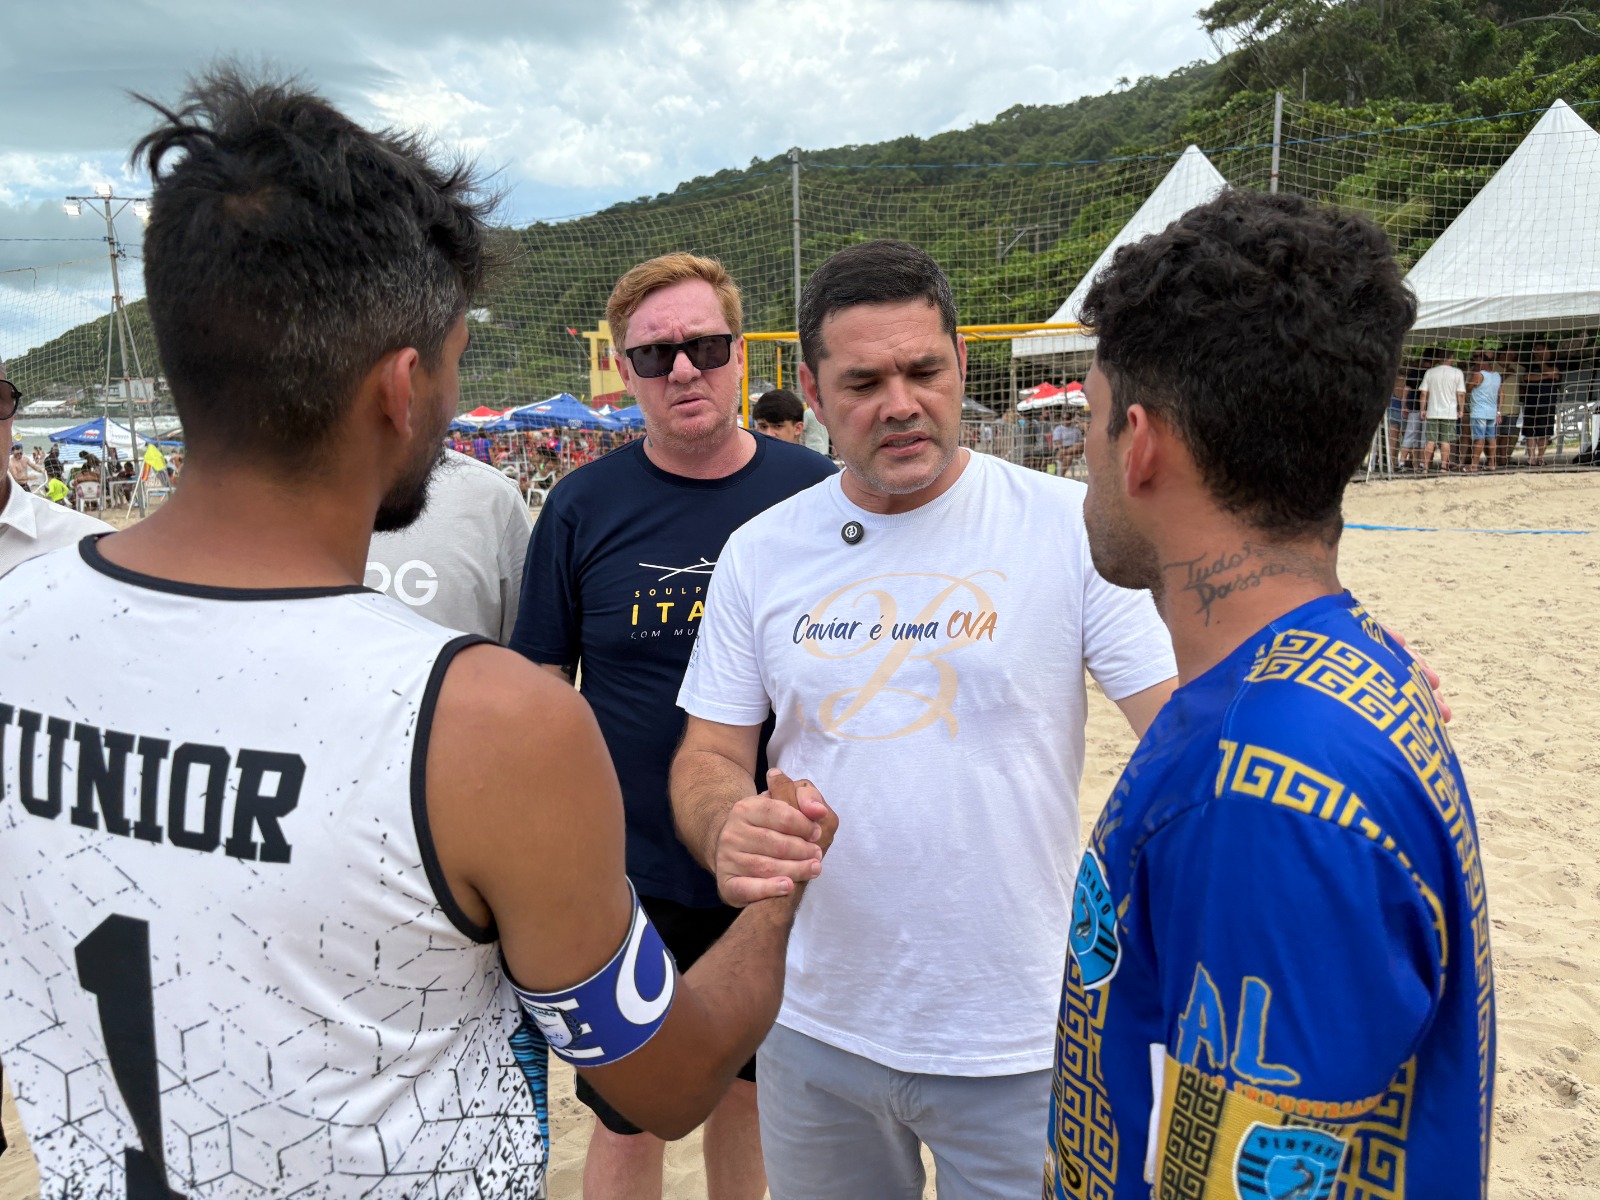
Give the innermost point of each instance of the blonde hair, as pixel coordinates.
(665, 271)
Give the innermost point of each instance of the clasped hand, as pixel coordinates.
(773, 842)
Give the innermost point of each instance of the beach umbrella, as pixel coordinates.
(561, 411)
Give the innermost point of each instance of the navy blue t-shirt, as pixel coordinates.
(616, 579)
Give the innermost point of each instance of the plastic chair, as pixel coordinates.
(84, 494)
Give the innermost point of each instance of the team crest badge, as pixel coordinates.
(1094, 924)
(1287, 1162)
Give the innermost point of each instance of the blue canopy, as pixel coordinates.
(94, 435)
(561, 411)
(629, 418)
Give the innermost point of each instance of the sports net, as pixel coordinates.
(1016, 238)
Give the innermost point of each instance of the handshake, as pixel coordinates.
(771, 844)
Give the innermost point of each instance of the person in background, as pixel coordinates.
(52, 462)
(1442, 391)
(31, 524)
(18, 469)
(1506, 426)
(1483, 408)
(780, 414)
(1066, 440)
(616, 581)
(1539, 387)
(1394, 421)
(460, 563)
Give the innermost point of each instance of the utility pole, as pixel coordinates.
(794, 176)
(1277, 137)
(102, 200)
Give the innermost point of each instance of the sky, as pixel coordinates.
(576, 106)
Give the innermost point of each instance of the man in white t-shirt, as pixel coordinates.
(1443, 389)
(460, 564)
(29, 524)
(919, 626)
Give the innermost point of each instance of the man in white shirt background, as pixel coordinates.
(920, 626)
(29, 524)
(1443, 389)
(460, 563)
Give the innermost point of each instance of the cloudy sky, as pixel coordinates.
(577, 105)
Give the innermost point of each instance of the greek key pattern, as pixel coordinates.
(1407, 714)
(1192, 1136)
(1085, 1133)
(1375, 1167)
(1270, 775)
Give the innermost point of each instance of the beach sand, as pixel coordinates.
(1513, 624)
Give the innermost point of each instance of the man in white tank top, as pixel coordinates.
(283, 864)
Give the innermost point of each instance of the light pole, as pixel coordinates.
(102, 201)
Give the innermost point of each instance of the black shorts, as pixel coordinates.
(688, 933)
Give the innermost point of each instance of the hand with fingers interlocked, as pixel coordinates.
(772, 843)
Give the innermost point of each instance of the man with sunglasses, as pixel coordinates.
(616, 579)
(30, 525)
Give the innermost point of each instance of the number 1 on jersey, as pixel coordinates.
(114, 967)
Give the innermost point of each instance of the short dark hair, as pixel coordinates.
(1265, 332)
(876, 272)
(778, 407)
(288, 250)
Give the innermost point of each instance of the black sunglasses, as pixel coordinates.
(8, 402)
(706, 353)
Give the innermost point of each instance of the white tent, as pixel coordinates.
(1192, 180)
(1525, 254)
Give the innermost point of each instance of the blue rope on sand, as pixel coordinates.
(1436, 529)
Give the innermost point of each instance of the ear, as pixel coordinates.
(808, 388)
(1143, 446)
(625, 369)
(738, 355)
(393, 382)
(961, 357)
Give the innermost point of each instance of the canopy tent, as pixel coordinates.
(561, 411)
(1044, 396)
(1525, 253)
(631, 417)
(1192, 180)
(971, 410)
(96, 434)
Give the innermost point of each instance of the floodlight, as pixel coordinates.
(103, 190)
(72, 208)
(141, 209)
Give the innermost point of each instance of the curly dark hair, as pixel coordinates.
(288, 250)
(1265, 331)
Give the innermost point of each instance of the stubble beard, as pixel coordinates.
(407, 500)
(694, 444)
(1120, 554)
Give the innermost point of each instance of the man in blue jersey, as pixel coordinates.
(616, 579)
(1279, 982)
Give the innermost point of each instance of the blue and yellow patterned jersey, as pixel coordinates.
(1279, 984)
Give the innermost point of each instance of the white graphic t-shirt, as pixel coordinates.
(928, 676)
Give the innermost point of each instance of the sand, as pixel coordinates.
(1513, 624)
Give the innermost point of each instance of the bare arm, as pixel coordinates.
(543, 862)
(758, 846)
(562, 673)
(1141, 707)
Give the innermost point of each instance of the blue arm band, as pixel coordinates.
(607, 1016)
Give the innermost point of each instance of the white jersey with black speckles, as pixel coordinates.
(228, 964)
